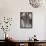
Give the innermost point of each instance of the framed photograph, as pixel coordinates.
(25, 19)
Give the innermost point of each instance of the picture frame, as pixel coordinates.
(26, 19)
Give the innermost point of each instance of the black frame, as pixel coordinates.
(31, 19)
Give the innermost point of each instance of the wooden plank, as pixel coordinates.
(25, 44)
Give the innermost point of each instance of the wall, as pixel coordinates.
(12, 8)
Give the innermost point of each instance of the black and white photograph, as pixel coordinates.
(25, 19)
